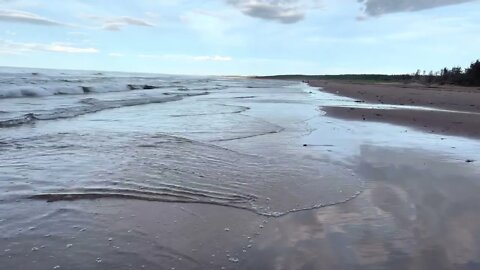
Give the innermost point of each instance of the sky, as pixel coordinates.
(240, 37)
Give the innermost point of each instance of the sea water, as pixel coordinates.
(78, 135)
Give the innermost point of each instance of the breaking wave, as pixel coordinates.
(38, 84)
(14, 91)
(91, 105)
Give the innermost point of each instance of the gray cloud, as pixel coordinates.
(18, 16)
(379, 7)
(117, 23)
(283, 11)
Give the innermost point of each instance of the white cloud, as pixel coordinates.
(215, 58)
(58, 47)
(18, 16)
(10, 47)
(117, 23)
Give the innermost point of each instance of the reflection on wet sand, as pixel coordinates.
(420, 211)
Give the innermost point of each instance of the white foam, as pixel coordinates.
(39, 85)
(16, 91)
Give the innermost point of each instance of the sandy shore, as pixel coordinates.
(390, 199)
(411, 216)
(465, 100)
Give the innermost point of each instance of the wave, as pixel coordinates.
(180, 194)
(12, 91)
(232, 110)
(92, 105)
(172, 169)
(20, 83)
(236, 201)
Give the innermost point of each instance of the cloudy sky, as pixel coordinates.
(240, 37)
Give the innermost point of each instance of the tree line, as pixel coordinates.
(467, 77)
(457, 76)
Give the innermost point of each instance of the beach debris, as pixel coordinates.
(469, 160)
(69, 245)
(305, 145)
(227, 229)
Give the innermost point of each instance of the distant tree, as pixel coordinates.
(457, 70)
(444, 72)
(430, 77)
(473, 73)
(417, 74)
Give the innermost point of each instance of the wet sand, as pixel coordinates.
(464, 102)
(419, 211)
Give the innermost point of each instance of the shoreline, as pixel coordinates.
(455, 98)
(413, 195)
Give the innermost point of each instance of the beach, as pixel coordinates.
(233, 173)
(460, 105)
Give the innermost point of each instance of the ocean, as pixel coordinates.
(68, 135)
(102, 170)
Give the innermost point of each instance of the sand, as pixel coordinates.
(419, 212)
(464, 100)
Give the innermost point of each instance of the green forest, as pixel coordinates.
(469, 76)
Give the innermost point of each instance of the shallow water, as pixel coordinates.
(156, 148)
